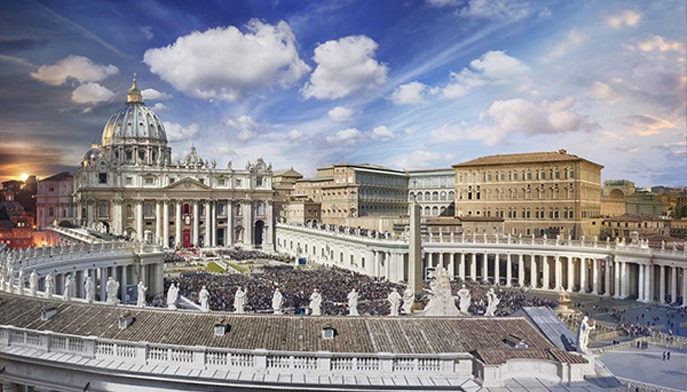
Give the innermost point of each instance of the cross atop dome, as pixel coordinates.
(134, 95)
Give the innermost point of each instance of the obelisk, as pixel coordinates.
(415, 254)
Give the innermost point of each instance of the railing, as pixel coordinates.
(258, 360)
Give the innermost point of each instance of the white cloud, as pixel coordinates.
(421, 159)
(244, 126)
(346, 136)
(646, 125)
(225, 63)
(572, 40)
(147, 32)
(658, 43)
(340, 114)
(382, 133)
(344, 67)
(494, 67)
(91, 93)
(74, 67)
(516, 115)
(154, 95)
(627, 18)
(295, 135)
(160, 106)
(177, 132)
(443, 3)
(496, 9)
(603, 92)
(410, 93)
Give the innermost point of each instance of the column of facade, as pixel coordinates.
(138, 217)
(124, 281)
(158, 223)
(213, 224)
(595, 276)
(461, 267)
(533, 271)
(473, 267)
(673, 285)
(521, 270)
(684, 285)
(648, 283)
(229, 232)
(617, 293)
(509, 270)
(116, 218)
(196, 223)
(641, 295)
(177, 223)
(165, 223)
(104, 273)
(207, 241)
(558, 272)
(248, 223)
(583, 275)
(545, 270)
(607, 277)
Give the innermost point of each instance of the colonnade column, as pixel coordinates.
(648, 284)
(617, 266)
(473, 267)
(521, 270)
(684, 285)
(623, 277)
(452, 265)
(607, 277)
(497, 268)
(230, 225)
(583, 275)
(158, 223)
(640, 281)
(571, 274)
(673, 285)
(558, 272)
(533, 271)
(213, 221)
(509, 270)
(545, 270)
(662, 285)
(461, 267)
(485, 267)
(595, 276)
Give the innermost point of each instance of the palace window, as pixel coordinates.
(102, 178)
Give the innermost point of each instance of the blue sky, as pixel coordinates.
(414, 84)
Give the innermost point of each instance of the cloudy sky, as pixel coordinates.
(407, 84)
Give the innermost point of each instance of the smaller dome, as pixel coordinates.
(91, 155)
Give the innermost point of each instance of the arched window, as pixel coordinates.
(102, 210)
(148, 209)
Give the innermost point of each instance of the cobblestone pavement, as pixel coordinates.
(648, 366)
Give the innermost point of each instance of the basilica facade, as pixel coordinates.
(128, 185)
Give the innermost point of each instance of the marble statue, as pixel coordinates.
(67, 293)
(48, 285)
(492, 302)
(408, 299)
(172, 296)
(442, 302)
(89, 287)
(33, 282)
(353, 303)
(315, 303)
(141, 298)
(239, 300)
(394, 299)
(465, 300)
(583, 335)
(204, 296)
(112, 289)
(277, 301)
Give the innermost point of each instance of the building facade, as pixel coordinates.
(433, 190)
(54, 200)
(546, 193)
(351, 191)
(128, 185)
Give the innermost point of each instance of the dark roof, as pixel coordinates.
(59, 177)
(404, 335)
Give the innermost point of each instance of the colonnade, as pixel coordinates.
(588, 274)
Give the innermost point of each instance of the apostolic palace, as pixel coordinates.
(77, 311)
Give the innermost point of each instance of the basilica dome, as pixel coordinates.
(134, 124)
